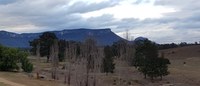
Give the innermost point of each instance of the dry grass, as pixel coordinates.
(185, 65)
(3, 84)
(22, 78)
(181, 74)
(182, 52)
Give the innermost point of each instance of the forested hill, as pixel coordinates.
(102, 36)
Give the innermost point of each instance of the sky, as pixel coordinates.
(163, 21)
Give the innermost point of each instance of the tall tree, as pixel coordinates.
(147, 61)
(90, 52)
(108, 60)
(119, 48)
(54, 58)
(1, 50)
(38, 59)
(62, 46)
(46, 40)
(163, 68)
(70, 55)
(124, 50)
(34, 43)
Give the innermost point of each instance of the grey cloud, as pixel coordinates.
(52, 14)
(141, 1)
(34, 8)
(186, 5)
(82, 7)
(129, 23)
(58, 14)
(180, 30)
(185, 22)
(5, 2)
(101, 20)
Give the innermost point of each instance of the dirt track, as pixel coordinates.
(10, 82)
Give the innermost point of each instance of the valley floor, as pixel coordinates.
(183, 72)
(180, 75)
(22, 79)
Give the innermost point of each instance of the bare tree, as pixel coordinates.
(130, 52)
(85, 66)
(125, 53)
(97, 64)
(54, 59)
(90, 53)
(38, 59)
(70, 56)
(65, 65)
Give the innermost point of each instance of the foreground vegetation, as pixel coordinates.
(83, 63)
(184, 69)
(12, 59)
(87, 59)
(147, 61)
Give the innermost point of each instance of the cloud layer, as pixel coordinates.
(163, 21)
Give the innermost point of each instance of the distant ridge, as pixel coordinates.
(102, 36)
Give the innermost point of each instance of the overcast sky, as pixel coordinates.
(163, 21)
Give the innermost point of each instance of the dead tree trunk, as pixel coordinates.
(38, 60)
(55, 61)
(91, 54)
(70, 57)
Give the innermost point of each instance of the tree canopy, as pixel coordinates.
(108, 60)
(10, 57)
(45, 41)
(147, 61)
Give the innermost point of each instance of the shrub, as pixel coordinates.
(10, 57)
(27, 66)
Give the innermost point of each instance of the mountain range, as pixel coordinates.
(102, 36)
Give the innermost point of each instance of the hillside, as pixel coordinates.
(182, 52)
(102, 36)
(184, 68)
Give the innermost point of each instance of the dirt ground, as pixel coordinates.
(22, 79)
(6, 82)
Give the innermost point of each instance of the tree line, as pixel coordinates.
(175, 45)
(88, 54)
(143, 55)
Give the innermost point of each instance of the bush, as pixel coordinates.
(27, 66)
(10, 57)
